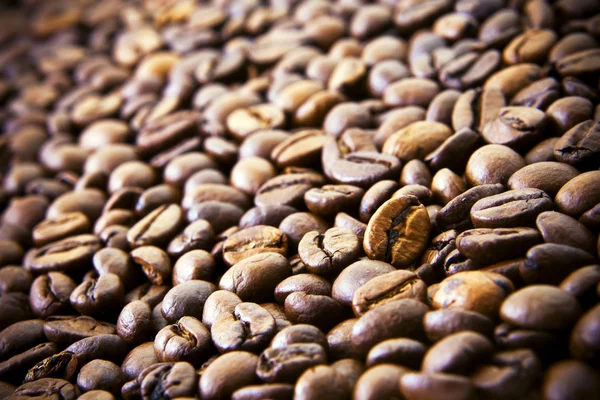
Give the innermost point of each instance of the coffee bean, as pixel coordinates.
(155, 263)
(401, 318)
(68, 330)
(133, 324)
(402, 351)
(569, 378)
(419, 385)
(328, 252)
(578, 146)
(252, 241)
(186, 340)
(547, 176)
(387, 288)
(21, 336)
(287, 190)
(558, 309)
(299, 333)
(249, 327)
(288, 363)
(499, 244)
(52, 230)
(539, 94)
(102, 296)
(331, 199)
(513, 208)
(578, 195)
(168, 380)
(186, 299)
(457, 353)
(477, 291)
(105, 347)
(50, 293)
(409, 228)
(255, 277)
(551, 263)
(554, 227)
(64, 255)
(216, 381)
(45, 387)
(276, 391)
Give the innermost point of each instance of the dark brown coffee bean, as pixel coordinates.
(512, 372)
(275, 391)
(582, 284)
(416, 140)
(477, 291)
(457, 353)
(118, 262)
(216, 192)
(252, 241)
(469, 70)
(296, 225)
(155, 263)
(547, 176)
(513, 208)
(492, 164)
(288, 363)
(138, 359)
(581, 64)
(287, 189)
(328, 252)
(299, 333)
(579, 194)
(320, 381)
(579, 145)
(187, 340)
(551, 263)
(387, 288)
(331, 199)
(441, 323)
(380, 381)
(562, 229)
(570, 378)
(396, 120)
(567, 112)
(151, 294)
(539, 94)
(249, 327)
(186, 299)
(583, 344)
(45, 387)
(65, 255)
(487, 246)
(515, 127)
(217, 382)
(401, 318)
(532, 46)
(314, 309)
(52, 230)
(411, 16)
(134, 322)
(49, 294)
(157, 228)
(421, 385)
(104, 347)
(168, 380)
(540, 307)
(250, 173)
(67, 330)
(400, 223)
(196, 236)
(255, 278)
(402, 351)
(21, 336)
(101, 296)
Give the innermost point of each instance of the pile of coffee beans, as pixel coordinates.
(300, 199)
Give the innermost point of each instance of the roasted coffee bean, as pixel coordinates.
(469, 70)
(579, 145)
(101, 375)
(287, 190)
(579, 194)
(402, 351)
(305, 308)
(296, 225)
(168, 381)
(299, 333)
(102, 296)
(187, 340)
(416, 140)
(567, 112)
(138, 359)
(329, 252)
(252, 241)
(547, 176)
(134, 322)
(67, 330)
(14, 279)
(421, 385)
(517, 207)
(457, 353)
(228, 373)
(186, 299)
(308, 283)
(64, 255)
(331, 199)
(551, 263)
(552, 309)
(441, 323)
(356, 275)
(477, 291)
(515, 127)
(569, 378)
(276, 391)
(375, 197)
(401, 318)
(155, 263)
(487, 246)
(151, 294)
(49, 294)
(398, 231)
(361, 168)
(21, 336)
(255, 278)
(562, 229)
(52, 230)
(492, 164)
(288, 363)
(387, 288)
(46, 387)
(104, 347)
(249, 327)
